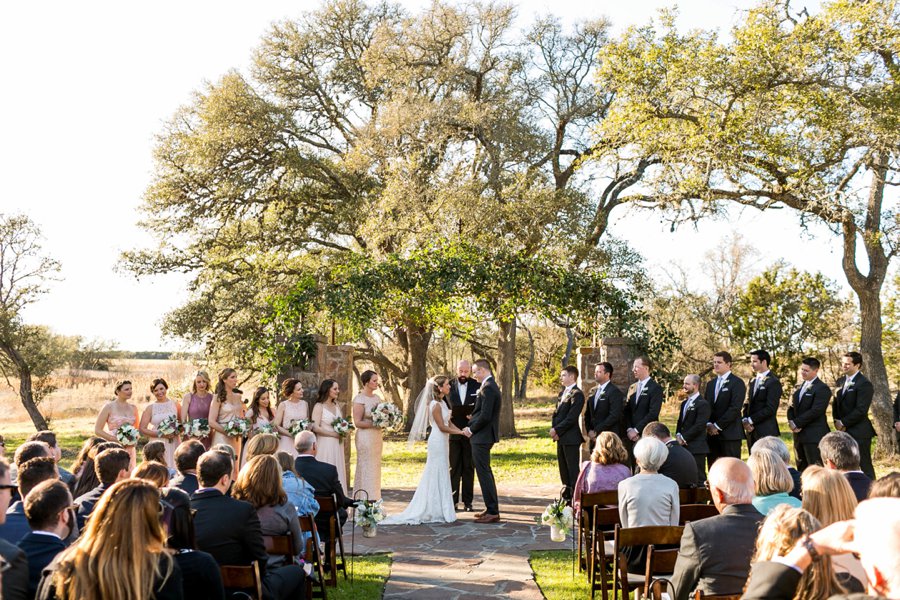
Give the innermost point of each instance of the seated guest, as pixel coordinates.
(299, 492)
(49, 438)
(261, 444)
(874, 534)
(840, 452)
(15, 575)
(229, 529)
(886, 487)
(154, 472)
(773, 482)
(186, 456)
(828, 497)
(26, 452)
(49, 510)
(783, 528)
(715, 552)
(82, 456)
(608, 466)
(322, 476)
(155, 451)
(226, 448)
(200, 574)
(680, 465)
(111, 466)
(259, 483)
(31, 473)
(122, 553)
(649, 498)
(777, 445)
(86, 473)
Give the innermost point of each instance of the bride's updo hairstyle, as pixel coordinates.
(436, 385)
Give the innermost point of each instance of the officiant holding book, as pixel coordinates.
(463, 390)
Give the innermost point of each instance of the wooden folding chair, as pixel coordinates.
(243, 579)
(698, 595)
(632, 537)
(604, 520)
(328, 506)
(588, 502)
(695, 512)
(685, 495)
(660, 561)
(313, 556)
(280, 545)
(702, 496)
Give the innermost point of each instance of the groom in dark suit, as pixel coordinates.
(483, 432)
(463, 392)
(566, 429)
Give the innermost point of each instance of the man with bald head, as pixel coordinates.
(463, 393)
(715, 552)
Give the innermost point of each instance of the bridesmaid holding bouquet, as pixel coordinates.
(329, 442)
(291, 408)
(163, 412)
(368, 438)
(196, 404)
(117, 413)
(226, 407)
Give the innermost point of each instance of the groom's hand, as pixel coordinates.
(467, 432)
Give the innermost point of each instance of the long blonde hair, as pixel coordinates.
(205, 377)
(827, 495)
(117, 557)
(778, 535)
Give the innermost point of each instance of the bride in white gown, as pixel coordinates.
(433, 500)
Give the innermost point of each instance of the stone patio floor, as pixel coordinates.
(464, 560)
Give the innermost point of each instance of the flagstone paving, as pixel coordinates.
(464, 560)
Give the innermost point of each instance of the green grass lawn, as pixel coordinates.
(553, 574)
(370, 573)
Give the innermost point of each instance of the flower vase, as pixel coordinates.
(370, 531)
(557, 534)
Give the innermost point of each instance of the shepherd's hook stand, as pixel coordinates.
(356, 497)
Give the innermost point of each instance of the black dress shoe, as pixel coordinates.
(468, 508)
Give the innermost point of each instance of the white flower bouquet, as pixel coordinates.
(342, 426)
(168, 426)
(266, 428)
(298, 425)
(196, 428)
(127, 434)
(237, 427)
(369, 513)
(387, 416)
(558, 516)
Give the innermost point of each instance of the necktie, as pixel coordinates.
(637, 393)
(847, 383)
(718, 387)
(597, 396)
(802, 390)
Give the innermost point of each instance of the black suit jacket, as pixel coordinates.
(643, 410)
(852, 407)
(808, 413)
(775, 581)
(485, 421)
(469, 400)
(715, 553)
(228, 529)
(187, 483)
(692, 425)
(762, 405)
(726, 409)
(565, 417)
(605, 413)
(680, 466)
(41, 550)
(86, 503)
(860, 483)
(323, 477)
(15, 579)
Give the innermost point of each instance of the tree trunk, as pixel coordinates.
(26, 393)
(418, 339)
(506, 362)
(570, 346)
(523, 384)
(873, 364)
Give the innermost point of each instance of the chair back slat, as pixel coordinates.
(326, 504)
(280, 545)
(645, 536)
(699, 595)
(702, 496)
(695, 512)
(610, 498)
(685, 495)
(242, 577)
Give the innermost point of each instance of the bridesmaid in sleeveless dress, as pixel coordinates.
(116, 413)
(368, 438)
(260, 413)
(196, 404)
(330, 445)
(226, 406)
(154, 414)
(291, 408)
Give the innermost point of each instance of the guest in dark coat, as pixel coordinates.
(200, 573)
(31, 473)
(111, 466)
(680, 465)
(15, 578)
(48, 508)
(186, 456)
(840, 452)
(323, 477)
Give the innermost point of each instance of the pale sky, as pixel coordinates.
(87, 85)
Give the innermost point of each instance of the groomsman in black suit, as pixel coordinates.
(763, 398)
(693, 415)
(850, 410)
(806, 414)
(605, 405)
(463, 392)
(566, 429)
(483, 432)
(725, 394)
(644, 402)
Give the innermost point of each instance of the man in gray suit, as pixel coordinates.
(715, 553)
(484, 432)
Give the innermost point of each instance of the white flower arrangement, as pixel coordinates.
(127, 434)
(342, 426)
(369, 513)
(266, 428)
(387, 416)
(298, 425)
(559, 515)
(237, 427)
(196, 428)
(168, 426)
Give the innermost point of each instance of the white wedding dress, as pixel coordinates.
(433, 500)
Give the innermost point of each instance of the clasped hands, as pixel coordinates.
(467, 432)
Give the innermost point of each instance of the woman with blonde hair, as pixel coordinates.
(607, 467)
(154, 472)
(773, 481)
(829, 498)
(781, 530)
(121, 555)
(263, 444)
(195, 405)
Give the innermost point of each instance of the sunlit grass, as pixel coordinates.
(370, 573)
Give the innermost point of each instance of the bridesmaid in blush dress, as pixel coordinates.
(196, 404)
(226, 406)
(115, 414)
(154, 414)
(368, 438)
(291, 408)
(330, 445)
(260, 413)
